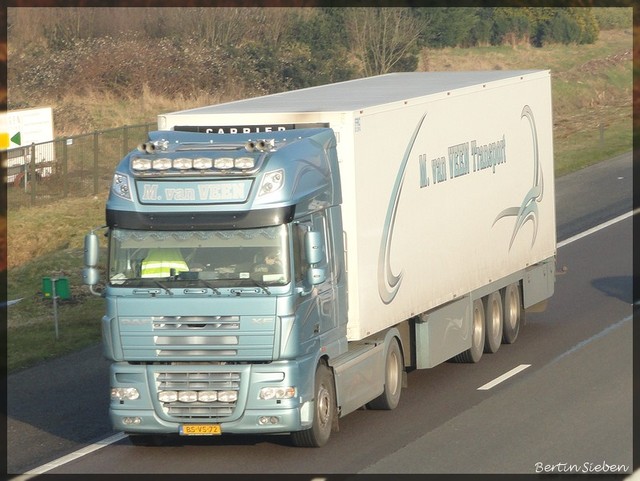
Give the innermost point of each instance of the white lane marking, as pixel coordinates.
(504, 377)
(598, 228)
(75, 455)
(595, 337)
(573, 349)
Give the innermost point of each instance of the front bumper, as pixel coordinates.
(288, 420)
(148, 415)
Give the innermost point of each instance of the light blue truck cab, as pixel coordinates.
(230, 345)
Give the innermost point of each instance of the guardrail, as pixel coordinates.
(69, 166)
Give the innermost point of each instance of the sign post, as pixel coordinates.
(56, 288)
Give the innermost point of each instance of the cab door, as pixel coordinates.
(318, 312)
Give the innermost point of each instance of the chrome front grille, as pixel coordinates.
(198, 323)
(227, 383)
(182, 338)
(189, 334)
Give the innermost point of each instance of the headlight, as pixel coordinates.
(223, 163)
(277, 393)
(202, 163)
(140, 164)
(120, 393)
(120, 186)
(162, 164)
(245, 163)
(271, 182)
(227, 396)
(187, 396)
(132, 420)
(168, 396)
(207, 396)
(182, 163)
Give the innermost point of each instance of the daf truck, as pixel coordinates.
(278, 262)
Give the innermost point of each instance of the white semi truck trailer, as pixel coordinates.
(278, 262)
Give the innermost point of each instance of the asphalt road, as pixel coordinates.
(593, 195)
(570, 409)
(574, 404)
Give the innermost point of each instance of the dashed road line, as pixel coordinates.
(504, 377)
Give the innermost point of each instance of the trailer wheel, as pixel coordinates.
(393, 367)
(474, 353)
(493, 322)
(324, 411)
(512, 314)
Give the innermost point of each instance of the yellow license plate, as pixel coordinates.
(200, 430)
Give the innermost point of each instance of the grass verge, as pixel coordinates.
(591, 90)
(47, 242)
(78, 327)
(31, 328)
(589, 146)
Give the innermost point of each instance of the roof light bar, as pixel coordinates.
(184, 164)
(245, 163)
(202, 163)
(162, 163)
(223, 163)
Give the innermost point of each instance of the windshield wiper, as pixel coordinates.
(255, 282)
(160, 284)
(261, 286)
(210, 286)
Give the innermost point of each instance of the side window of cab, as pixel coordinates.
(299, 256)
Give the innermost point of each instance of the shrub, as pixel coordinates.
(570, 25)
(610, 18)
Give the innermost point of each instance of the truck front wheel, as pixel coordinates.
(324, 411)
(393, 367)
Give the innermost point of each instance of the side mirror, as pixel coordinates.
(90, 276)
(316, 275)
(90, 273)
(91, 250)
(314, 247)
(314, 250)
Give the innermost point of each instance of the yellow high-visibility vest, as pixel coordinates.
(159, 263)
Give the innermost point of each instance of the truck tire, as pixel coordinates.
(324, 411)
(474, 353)
(493, 322)
(512, 313)
(393, 368)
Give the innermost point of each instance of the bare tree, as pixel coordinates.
(40, 25)
(236, 25)
(382, 37)
(214, 26)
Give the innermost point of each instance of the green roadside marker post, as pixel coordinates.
(56, 288)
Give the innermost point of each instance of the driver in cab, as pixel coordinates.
(163, 263)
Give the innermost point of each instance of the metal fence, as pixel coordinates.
(70, 166)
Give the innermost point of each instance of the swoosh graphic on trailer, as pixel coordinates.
(388, 282)
(528, 210)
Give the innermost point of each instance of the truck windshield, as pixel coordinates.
(217, 258)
